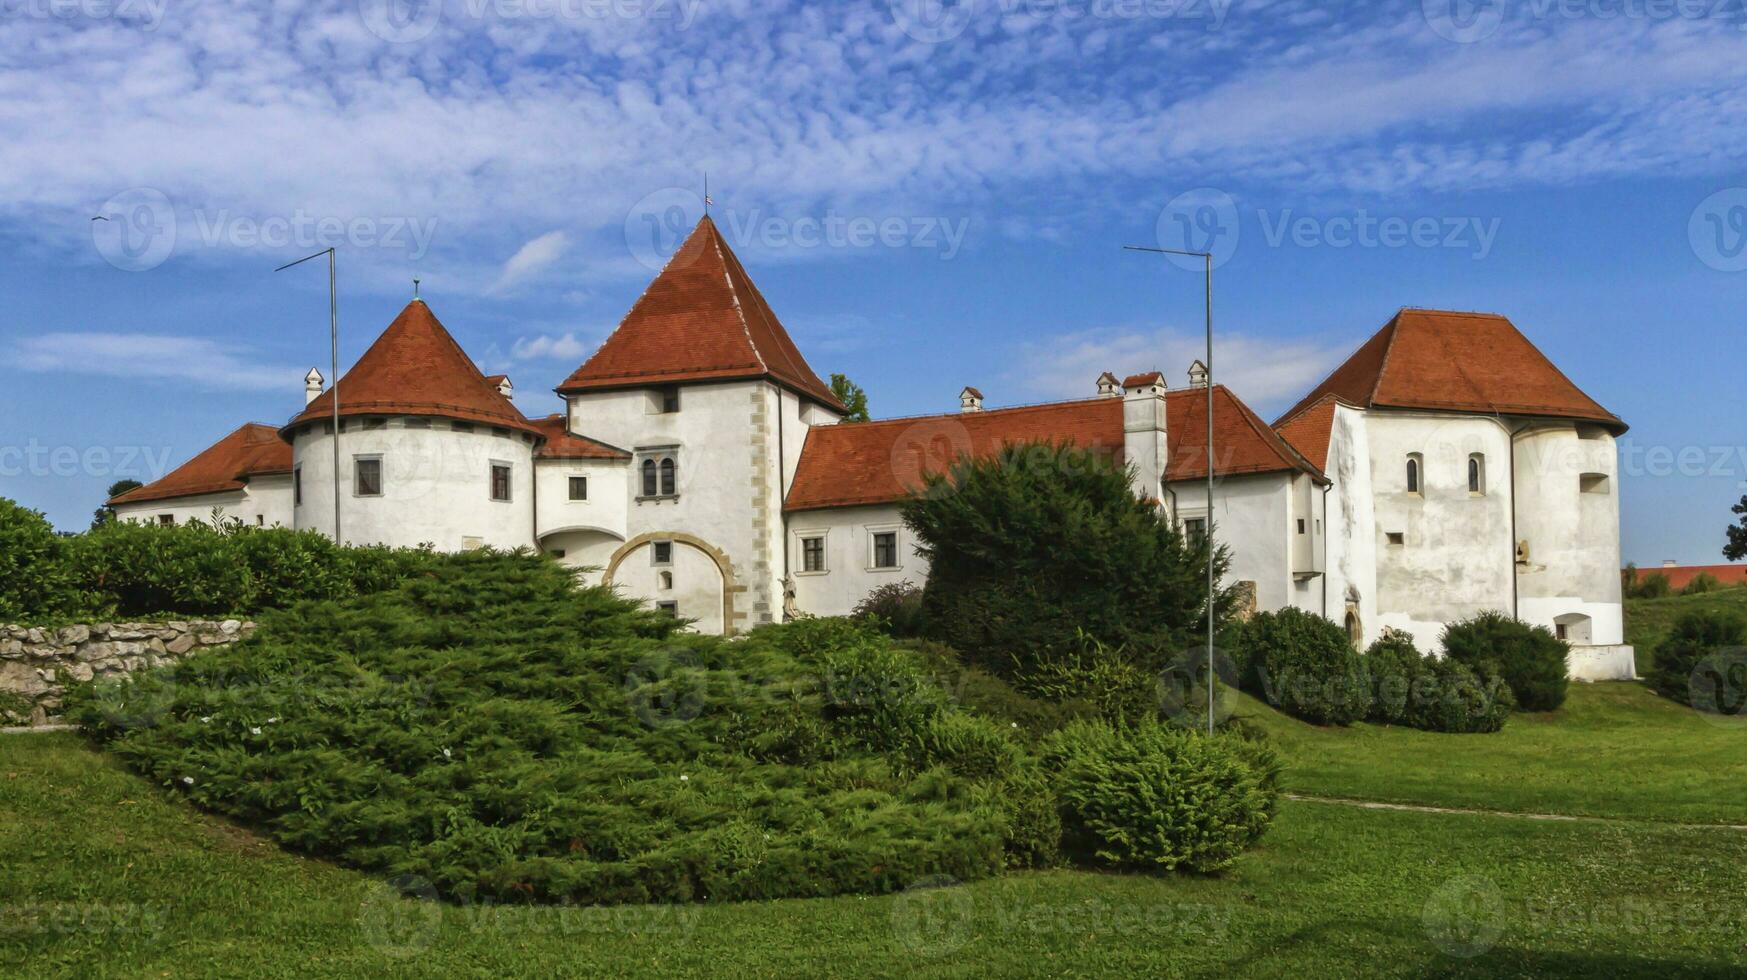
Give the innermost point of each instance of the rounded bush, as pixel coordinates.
(1529, 658)
(1157, 798)
(1696, 636)
(895, 606)
(1392, 663)
(35, 576)
(1436, 694)
(1305, 666)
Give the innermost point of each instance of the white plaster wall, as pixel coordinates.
(848, 575)
(587, 531)
(1457, 556)
(697, 583)
(436, 485)
(729, 493)
(264, 502)
(1252, 516)
(1573, 537)
(1350, 523)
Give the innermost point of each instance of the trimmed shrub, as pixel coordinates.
(1304, 665)
(985, 695)
(35, 577)
(896, 606)
(1700, 584)
(1111, 683)
(1529, 658)
(1157, 798)
(1039, 543)
(1392, 663)
(1696, 637)
(1432, 693)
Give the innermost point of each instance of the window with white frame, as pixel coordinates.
(1195, 530)
(366, 476)
(1415, 473)
(661, 553)
(882, 544)
(500, 481)
(669, 607)
(1476, 474)
(658, 473)
(813, 553)
(579, 488)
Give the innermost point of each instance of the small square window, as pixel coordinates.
(1396, 537)
(166, 519)
(661, 553)
(557, 552)
(1301, 525)
(500, 481)
(669, 401)
(669, 607)
(885, 549)
(1195, 529)
(579, 488)
(813, 554)
(367, 476)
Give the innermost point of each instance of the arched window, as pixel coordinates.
(667, 477)
(1414, 475)
(1476, 473)
(649, 486)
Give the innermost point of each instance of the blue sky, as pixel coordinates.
(932, 193)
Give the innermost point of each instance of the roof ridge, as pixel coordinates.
(734, 294)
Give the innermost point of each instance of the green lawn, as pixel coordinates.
(1614, 749)
(107, 876)
(1649, 620)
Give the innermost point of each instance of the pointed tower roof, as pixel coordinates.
(416, 368)
(701, 319)
(228, 464)
(1441, 360)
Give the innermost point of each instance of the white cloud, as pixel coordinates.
(190, 360)
(1267, 373)
(533, 258)
(545, 346)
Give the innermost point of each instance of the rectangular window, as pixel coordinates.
(661, 553)
(500, 481)
(579, 488)
(297, 487)
(1592, 483)
(1301, 525)
(812, 554)
(260, 520)
(415, 423)
(1195, 529)
(669, 607)
(367, 476)
(166, 519)
(370, 425)
(669, 401)
(557, 552)
(885, 549)
(1396, 537)
(461, 426)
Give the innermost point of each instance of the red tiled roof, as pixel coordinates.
(416, 368)
(879, 462)
(564, 444)
(1147, 378)
(253, 450)
(1309, 430)
(701, 319)
(1680, 575)
(1456, 362)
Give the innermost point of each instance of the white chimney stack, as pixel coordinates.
(1198, 375)
(970, 400)
(505, 388)
(1143, 433)
(312, 385)
(1108, 386)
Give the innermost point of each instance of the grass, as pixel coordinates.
(1649, 620)
(1613, 750)
(107, 877)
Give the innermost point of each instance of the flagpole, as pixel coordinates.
(334, 355)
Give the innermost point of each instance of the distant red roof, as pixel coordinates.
(1147, 378)
(563, 444)
(1680, 575)
(228, 464)
(878, 462)
(1309, 431)
(701, 319)
(416, 368)
(1456, 362)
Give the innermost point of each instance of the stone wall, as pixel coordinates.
(37, 663)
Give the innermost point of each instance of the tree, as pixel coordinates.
(105, 513)
(852, 396)
(1736, 548)
(1036, 548)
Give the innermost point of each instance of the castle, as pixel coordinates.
(1445, 469)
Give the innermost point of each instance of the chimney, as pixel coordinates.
(1108, 386)
(1198, 375)
(312, 383)
(504, 387)
(1669, 563)
(970, 400)
(1143, 433)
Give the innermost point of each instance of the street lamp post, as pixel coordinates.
(1207, 267)
(334, 365)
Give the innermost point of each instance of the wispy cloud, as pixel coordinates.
(1265, 372)
(533, 258)
(187, 360)
(548, 347)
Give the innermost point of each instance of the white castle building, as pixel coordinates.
(700, 464)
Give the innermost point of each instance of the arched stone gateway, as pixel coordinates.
(716, 557)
